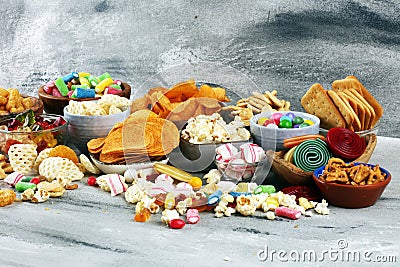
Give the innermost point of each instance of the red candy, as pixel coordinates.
(177, 223)
(35, 180)
(91, 180)
(345, 144)
(288, 213)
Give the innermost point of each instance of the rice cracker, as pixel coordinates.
(317, 102)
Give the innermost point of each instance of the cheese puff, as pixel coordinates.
(27, 102)
(4, 92)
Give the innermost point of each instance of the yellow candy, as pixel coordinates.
(196, 183)
(103, 84)
(83, 74)
(309, 122)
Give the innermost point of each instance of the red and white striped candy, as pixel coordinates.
(115, 183)
(164, 178)
(14, 178)
(226, 151)
(252, 153)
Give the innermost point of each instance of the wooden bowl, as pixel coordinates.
(55, 105)
(37, 108)
(296, 176)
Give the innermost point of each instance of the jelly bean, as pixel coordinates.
(83, 74)
(291, 115)
(91, 180)
(285, 118)
(104, 76)
(61, 86)
(264, 189)
(112, 91)
(26, 179)
(177, 223)
(304, 125)
(84, 81)
(269, 121)
(84, 93)
(103, 84)
(35, 180)
(276, 117)
(70, 76)
(261, 121)
(296, 126)
(298, 120)
(56, 92)
(93, 81)
(242, 187)
(73, 87)
(285, 124)
(22, 186)
(309, 122)
(116, 86)
(214, 198)
(117, 82)
(196, 183)
(288, 213)
(169, 201)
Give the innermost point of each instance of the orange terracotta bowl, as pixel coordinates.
(350, 196)
(55, 105)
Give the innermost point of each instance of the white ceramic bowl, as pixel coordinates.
(272, 139)
(121, 168)
(83, 128)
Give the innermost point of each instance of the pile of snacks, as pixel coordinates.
(348, 105)
(182, 101)
(205, 129)
(107, 105)
(337, 171)
(12, 101)
(83, 85)
(147, 136)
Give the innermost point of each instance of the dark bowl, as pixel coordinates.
(350, 196)
(55, 105)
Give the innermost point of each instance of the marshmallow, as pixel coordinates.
(226, 151)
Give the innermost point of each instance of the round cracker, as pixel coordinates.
(85, 161)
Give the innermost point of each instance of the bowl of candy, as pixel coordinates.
(246, 164)
(270, 129)
(351, 185)
(44, 130)
(79, 86)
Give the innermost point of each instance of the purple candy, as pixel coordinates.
(296, 126)
(291, 115)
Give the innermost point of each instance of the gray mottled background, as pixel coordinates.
(284, 45)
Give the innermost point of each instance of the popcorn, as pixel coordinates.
(245, 205)
(183, 205)
(169, 215)
(322, 208)
(222, 208)
(27, 194)
(270, 215)
(305, 203)
(148, 203)
(260, 199)
(213, 129)
(213, 176)
(134, 194)
(40, 196)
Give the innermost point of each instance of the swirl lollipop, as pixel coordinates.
(311, 154)
(345, 144)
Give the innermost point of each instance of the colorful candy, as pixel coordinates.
(264, 189)
(67, 78)
(214, 198)
(177, 224)
(103, 84)
(169, 201)
(84, 93)
(288, 213)
(311, 154)
(91, 180)
(192, 216)
(345, 144)
(13, 178)
(61, 86)
(22, 186)
(290, 120)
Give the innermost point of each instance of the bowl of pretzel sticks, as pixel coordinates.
(351, 185)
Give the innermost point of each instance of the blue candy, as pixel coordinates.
(237, 194)
(214, 198)
(286, 118)
(84, 93)
(67, 78)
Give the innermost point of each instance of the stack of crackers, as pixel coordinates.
(348, 105)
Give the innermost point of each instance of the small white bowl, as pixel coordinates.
(272, 139)
(121, 168)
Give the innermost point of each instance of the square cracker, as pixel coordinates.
(341, 85)
(317, 102)
(371, 100)
(356, 125)
(342, 107)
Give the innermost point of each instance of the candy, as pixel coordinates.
(84, 81)
(118, 82)
(172, 171)
(288, 213)
(14, 178)
(192, 216)
(91, 180)
(93, 81)
(196, 183)
(142, 215)
(22, 186)
(285, 117)
(70, 93)
(116, 184)
(26, 179)
(48, 90)
(311, 154)
(83, 74)
(103, 84)
(112, 91)
(261, 121)
(291, 115)
(264, 189)
(115, 86)
(103, 76)
(269, 122)
(252, 153)
(226, 151)
(238, 194)
(285, 124)
(276, 117)
(84, 93)
(309, 122)
(177, 223)
(61, 86)
(298, 120)
(270, 204)
(169, 215)
(345, 144)
(67, 78)
(304, 124)
(214, 198)
(35, 180)
(73, 87)
(169, 201)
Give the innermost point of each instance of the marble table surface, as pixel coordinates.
(88, 227)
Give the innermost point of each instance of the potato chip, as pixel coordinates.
(182, 91)
(95, 145)
(64, 152)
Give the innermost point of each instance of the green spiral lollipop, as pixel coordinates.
(311, 154)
